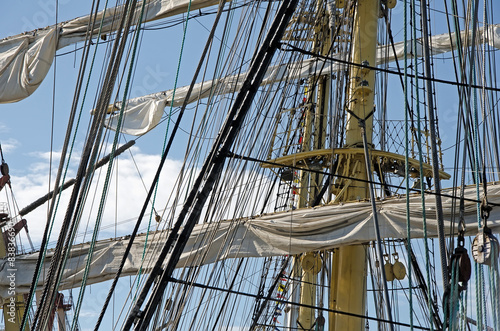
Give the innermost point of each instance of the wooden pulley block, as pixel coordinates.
(389, 273)
(464, 265)
(485, 247)
(4, 169)
(311, 262)
(398, 268)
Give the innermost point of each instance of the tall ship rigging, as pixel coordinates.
(303, 183)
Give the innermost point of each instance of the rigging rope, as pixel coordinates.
(433, 137)
(211, 168)
(50, 223)
(279, 300)
(89, 155)
(425, 78)
(53, 108)
(375, 215)
(166, 132)
(407, 156)
(420, 160)
(108, 174)
(480, 283)
(219, 199)
(156, 178)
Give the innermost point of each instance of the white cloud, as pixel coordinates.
(4, 128)
(9, 145)
(128, 185)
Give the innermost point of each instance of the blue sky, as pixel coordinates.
(25, 126)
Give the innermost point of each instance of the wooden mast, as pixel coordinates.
(348, 280)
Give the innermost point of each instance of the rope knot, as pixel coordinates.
(485, 210)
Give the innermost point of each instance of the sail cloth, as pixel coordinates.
(293, 232)
(439, 44)
(147, 110)
(143, 113)
(24, 63)
(26, 58)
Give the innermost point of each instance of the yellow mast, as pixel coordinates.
(348, 280)
(348, 264)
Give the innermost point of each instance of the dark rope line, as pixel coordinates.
(71, 119)
(89, 155)
(174, 280)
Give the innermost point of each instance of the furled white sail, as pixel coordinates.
(292, 232)
(143, 110)
(24, 63)
(439, 44)
(147, 110)
(26, 58)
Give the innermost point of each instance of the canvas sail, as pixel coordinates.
(26, 58)
(142, 114)
(285, 233)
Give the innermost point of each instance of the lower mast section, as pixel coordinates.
(349, 271)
